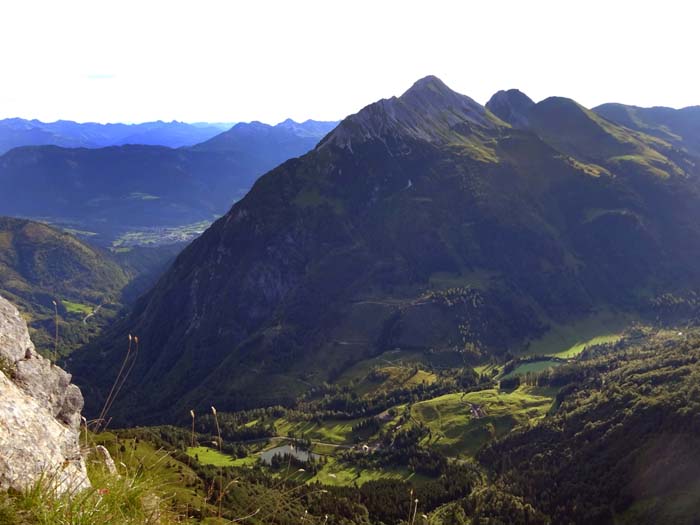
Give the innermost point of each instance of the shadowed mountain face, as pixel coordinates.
(511, 106)
(16, 132)
(424, 223)
(112, 190)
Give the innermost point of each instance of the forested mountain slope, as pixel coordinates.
(423, 223)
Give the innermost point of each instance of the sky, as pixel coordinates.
(242, 60)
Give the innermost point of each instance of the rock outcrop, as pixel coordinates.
(39, 414)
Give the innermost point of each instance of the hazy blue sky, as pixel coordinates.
(267, 60)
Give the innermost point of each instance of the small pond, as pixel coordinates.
(301, 455)
(533, 366)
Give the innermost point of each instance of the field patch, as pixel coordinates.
(337, 473)
(209, 456)
(76, 308)
(460, 424)
(532, 367)
(335, 432)
(567, 341)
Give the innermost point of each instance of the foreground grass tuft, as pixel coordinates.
(123, 499)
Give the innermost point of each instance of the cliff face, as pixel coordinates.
(39, 414)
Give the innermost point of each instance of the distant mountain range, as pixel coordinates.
(15, 132)
(111, 190)
(426, 223)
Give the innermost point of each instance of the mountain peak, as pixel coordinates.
(511, 106)
(431, 95)
(430, 83)
(429, 111)
(288, 123)
(247, 136)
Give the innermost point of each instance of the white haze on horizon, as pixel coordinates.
(232, 61)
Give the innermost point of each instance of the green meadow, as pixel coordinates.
(456, 432)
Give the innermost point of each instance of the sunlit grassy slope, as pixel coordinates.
(456, 432)
(570, 339)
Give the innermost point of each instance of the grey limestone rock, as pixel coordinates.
(39, 414)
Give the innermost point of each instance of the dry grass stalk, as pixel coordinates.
(55, 340)
(218, 434)
(119, 381)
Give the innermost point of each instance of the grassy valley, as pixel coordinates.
(471, 445)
